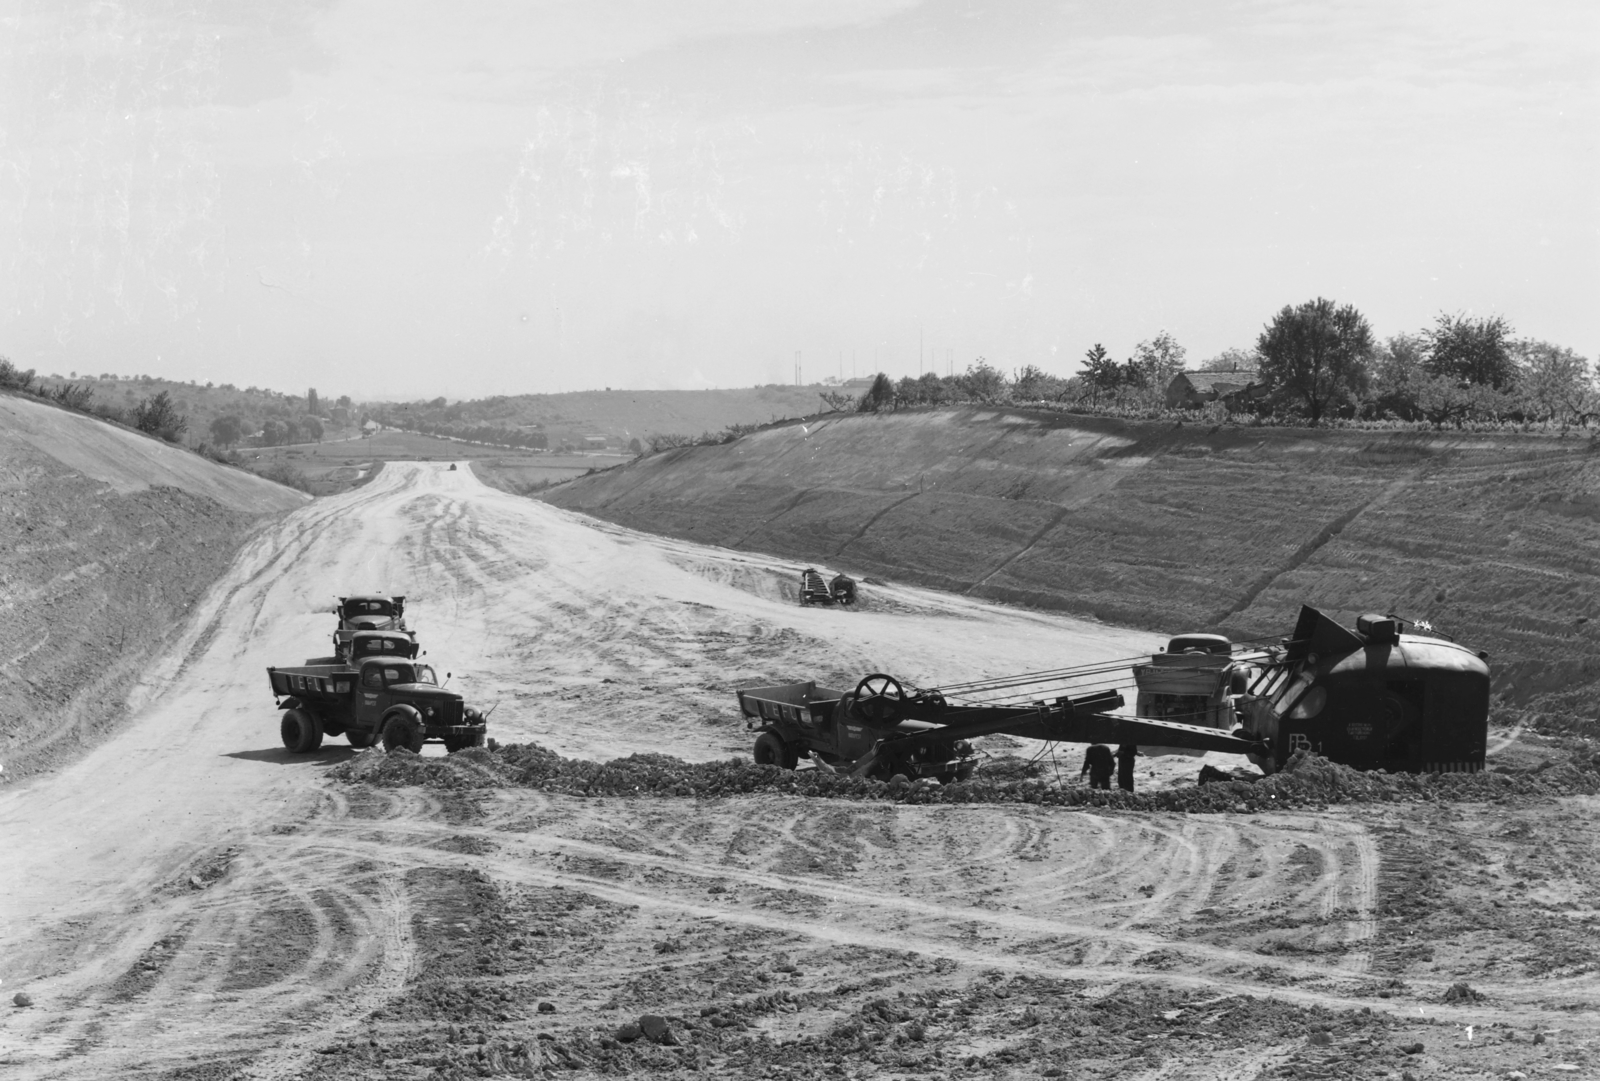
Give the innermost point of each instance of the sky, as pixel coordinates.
(409, 198)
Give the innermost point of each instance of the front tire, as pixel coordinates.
(772, 751)
(301, 731)
(402, 731)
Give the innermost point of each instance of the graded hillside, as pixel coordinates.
(1492, 538)
(108, 538)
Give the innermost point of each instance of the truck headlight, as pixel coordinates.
(427, 711)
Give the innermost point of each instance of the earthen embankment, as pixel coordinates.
(108, 538)
(1489, 537)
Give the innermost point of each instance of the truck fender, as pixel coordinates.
(290, 703)
(401, 711)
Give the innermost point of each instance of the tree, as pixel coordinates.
(274, 433)
(1316, 353)
(313, 406)
(159, 416)
(1035, 385)
(1471, 350)
(311, 428)
(1232, 360)
(1397, 377)
(879, 396)
(13, 377)
(983, 382)
(1554, 381)
(1158, 360)
(1103, 374)
(227, 430)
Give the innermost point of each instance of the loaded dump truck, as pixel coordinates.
(393, 699)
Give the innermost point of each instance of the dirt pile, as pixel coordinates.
(1307, 780)
(1172, 529)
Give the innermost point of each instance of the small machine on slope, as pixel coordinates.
(814, 589)
(1371, 698)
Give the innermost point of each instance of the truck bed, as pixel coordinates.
(313, 680)
(787, 701)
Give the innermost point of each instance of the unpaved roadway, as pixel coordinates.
(190, 901)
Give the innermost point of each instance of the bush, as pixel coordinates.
(287, 475)
(14, 378)
(74, 396)
(158, 416)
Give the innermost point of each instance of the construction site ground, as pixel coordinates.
(187, 900)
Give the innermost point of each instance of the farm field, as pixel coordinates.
(190, 901)
(336, 466)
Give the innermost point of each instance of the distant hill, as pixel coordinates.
(618, 415)
(118, 395)
(1491, 537)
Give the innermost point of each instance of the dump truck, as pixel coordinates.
(393, 700)
(1192, 679)
(1371, 697)
(368, 612)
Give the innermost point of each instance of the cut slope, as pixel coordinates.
(107, 541)
(1144, 524)
(131, 462)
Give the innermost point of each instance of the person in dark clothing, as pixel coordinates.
(1125, 756)
(1098, 764)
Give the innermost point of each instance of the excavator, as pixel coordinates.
(1372, 697)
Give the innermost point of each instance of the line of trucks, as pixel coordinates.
(375, 689)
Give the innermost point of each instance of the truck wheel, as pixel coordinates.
(359, 739)
(772, 751)
(402, 731)
(301, 731)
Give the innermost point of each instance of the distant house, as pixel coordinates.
(1191, 390)
(370, 426)
(594, 442)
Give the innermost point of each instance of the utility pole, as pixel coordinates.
(919, 352)
(797, 367)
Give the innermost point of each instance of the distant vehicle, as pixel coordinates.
(368, 612)
(814, 589)
(452, 467)
(394, 700)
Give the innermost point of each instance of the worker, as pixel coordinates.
(1098, 764)
(1125, 756)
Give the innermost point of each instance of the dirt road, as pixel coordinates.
(190, 901)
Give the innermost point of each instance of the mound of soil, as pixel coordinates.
(1308, 780)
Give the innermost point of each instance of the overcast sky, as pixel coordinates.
(409, 197)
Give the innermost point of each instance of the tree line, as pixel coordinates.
(1312, 362)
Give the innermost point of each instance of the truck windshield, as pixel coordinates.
(398, 673)
(367, 608)
(408, 673)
